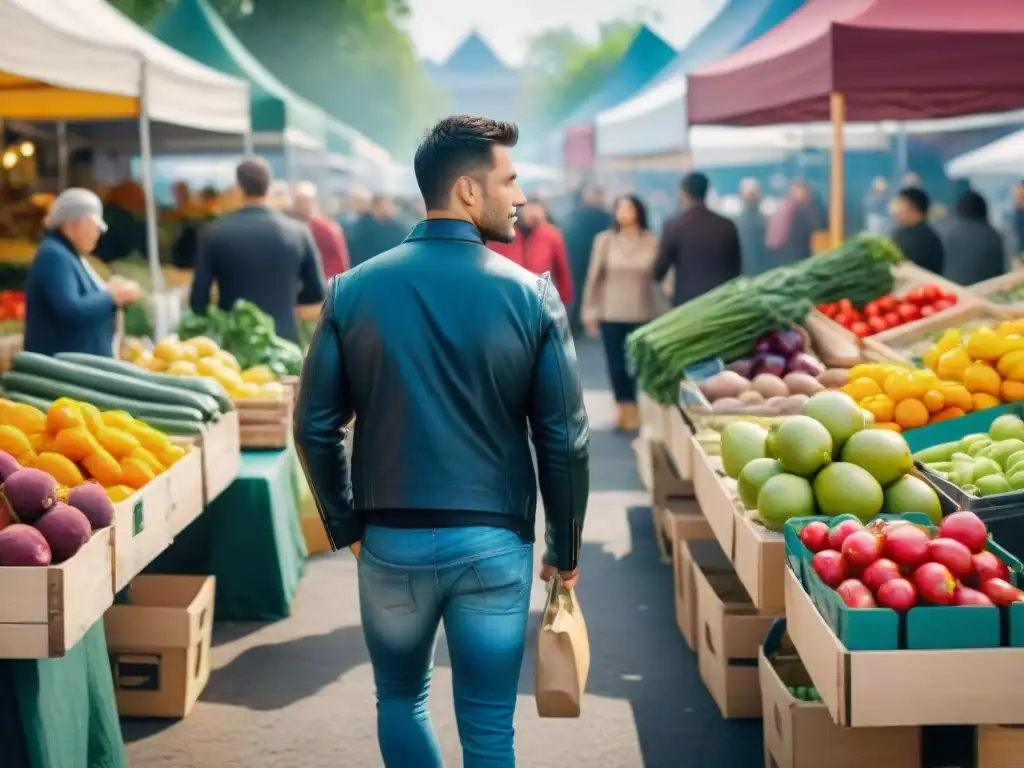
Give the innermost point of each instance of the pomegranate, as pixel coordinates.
(967, 596)
(1001, 592)
(988, 566)
(879, 572)
(898, 594)
(815, 536)
(855, 594)
(952, 554)
(967, 528)
(861, 548)
(830, 567)
(906, 545)
(935, 583)
(840, 531)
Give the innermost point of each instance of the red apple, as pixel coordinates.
(967, 528)
(830, 567)
(815, 536)
(988, 566)
(840, 531)
(952, 554)
(898, 594)
(967, 596)
(855, 594)
(879, 572)
(935, 583)
(1002, 592)
(906, 545)
(861, 548)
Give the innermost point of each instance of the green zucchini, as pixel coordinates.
(198, 384)
(36, 402)
(37, 386)
(114, 383)
(175, 427)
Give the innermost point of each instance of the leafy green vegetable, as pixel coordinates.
(248, 333)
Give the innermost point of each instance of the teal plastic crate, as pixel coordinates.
(921, 628)
(954, 429)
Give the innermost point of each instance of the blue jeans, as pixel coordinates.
(477, 581)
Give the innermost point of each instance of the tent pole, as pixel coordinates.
(148, 186)
(247, 144)
(62, 156)
(837, 108)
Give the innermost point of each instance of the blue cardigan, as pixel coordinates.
(65, 310)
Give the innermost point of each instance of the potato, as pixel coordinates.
(724, 385)
(727, 405)
(775, 404)
(751, 397)
(834, 378)
(793, 403)
(802, 384)
(769, 385)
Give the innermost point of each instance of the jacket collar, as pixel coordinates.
(445, 229)
(58, 237)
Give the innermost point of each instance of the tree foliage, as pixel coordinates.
(352, 57)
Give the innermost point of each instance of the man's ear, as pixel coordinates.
(466, 191)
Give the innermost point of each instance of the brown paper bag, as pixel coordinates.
(563, 655)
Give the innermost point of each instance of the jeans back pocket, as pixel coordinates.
(496, 583)
(388, 589)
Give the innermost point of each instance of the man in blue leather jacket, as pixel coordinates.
(451, 358)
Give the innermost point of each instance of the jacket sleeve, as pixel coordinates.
(561, 436)
(202, 280)
(735, 255)
(65, 302)
(560, 269)
(310, 275)
(324, 406)
(589, 311)
(667, 256)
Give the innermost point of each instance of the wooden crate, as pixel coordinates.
(10, 345)
(265, 423)
(1000, 746)
(985, 289)
(291, 383)
(889, 346)
(187, 492)
(222, 458)
(141, 529)
(45, 611)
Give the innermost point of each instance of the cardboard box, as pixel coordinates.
(801, 734)
(141, 529)
(185, 480)
(159, 645)
(1000, 747)
(716, 494)
(658, 474)
(678, 438)
(652, 418)
(760, 559)
(44, 611)
(222, 455)
(904, 687)
(729, 635)
(705, 552)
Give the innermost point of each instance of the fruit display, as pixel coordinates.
(201, 357)
(804, 692)
(897, 565)
(12, 311)
(902, 398)
(982, 464)
(889, 311)
(988, 361)
(727, 322)
(914, 348)
(248, 334)
(825, 460)
(178, 405)
(73, 442)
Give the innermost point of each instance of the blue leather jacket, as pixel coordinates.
(449, 356)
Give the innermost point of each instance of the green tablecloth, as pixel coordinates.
(250, 539)
(66, 708)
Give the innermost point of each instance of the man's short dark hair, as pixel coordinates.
(696, 186)
(254, 177)
(971, 205)
(917, 198)
(457, 146)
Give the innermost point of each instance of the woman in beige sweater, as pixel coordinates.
(620, 295)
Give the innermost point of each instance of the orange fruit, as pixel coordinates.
(952, 364)
(1009, 361)
(956, 395)
(983, 401)
(862, 388)
(879, 406)
(911, 413)
(947, 413)
(934, 400)
(982, 378)
(1012, 391)
(986, 344)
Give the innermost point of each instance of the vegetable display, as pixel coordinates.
(1013, 296)
(826, 460)
(889, 311)
(982, 464)
(248, 334)
(902, 398)
(897, 565)
(12, 311)
(727, 321)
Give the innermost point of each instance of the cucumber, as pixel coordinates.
(36, 402)
(175, 427)
(114, 383)
(199, 385)
(37, 386)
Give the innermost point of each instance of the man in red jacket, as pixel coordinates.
(327, 235)
(540, 248)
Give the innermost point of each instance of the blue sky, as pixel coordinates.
(438, 25)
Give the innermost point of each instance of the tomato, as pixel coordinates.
(876, 324)
(908, 312)
(931, 292)
(949, 296)
(861, 329)
(914, 295)
(845, 305)
(845, 319)
(891, 319)
(942, 304)
(927, 310)
(888, 303)
(829, 310)
(871, 309)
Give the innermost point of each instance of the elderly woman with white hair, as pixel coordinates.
(68, 307)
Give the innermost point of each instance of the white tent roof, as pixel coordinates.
(87, 45)
(652, 122)
(1004, 157)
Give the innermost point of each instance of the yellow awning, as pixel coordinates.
(22, 98)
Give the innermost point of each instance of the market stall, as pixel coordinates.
(812, 67)
(1001, 158)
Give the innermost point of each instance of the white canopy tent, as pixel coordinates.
(1004, 157)
(82, 60)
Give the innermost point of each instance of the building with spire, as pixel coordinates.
(477, 81)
